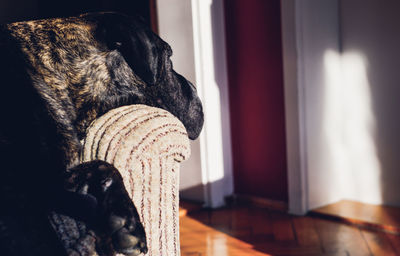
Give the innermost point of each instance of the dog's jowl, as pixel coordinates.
(57, 76)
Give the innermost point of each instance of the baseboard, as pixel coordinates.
(187, 206)
(257, 202)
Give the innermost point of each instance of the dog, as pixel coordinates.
(58, 75)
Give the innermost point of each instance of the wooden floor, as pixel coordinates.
(376, 217)
(245, 231)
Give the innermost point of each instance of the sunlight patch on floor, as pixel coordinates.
(200, 238)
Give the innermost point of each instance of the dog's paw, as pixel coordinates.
(127, 233)
(127, 239)
(118, 224)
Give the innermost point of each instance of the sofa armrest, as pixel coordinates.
(146, 145)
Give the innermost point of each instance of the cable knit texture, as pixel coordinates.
(146, 145)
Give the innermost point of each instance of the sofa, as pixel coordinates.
(146, 145)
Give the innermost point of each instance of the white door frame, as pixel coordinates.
(212, 82)
(308, 29)
(294, 108)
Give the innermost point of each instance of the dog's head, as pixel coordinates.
(149, 58)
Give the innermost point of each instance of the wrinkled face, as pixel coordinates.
(149, 58)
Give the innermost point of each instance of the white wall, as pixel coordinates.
(176, 28)
(195, 29)
(340, 63)
(309, 29)
(370, 28)
(318, 25)
(211, 75)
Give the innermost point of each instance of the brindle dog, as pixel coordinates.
(57, 76)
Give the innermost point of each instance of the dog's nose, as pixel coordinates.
(193, 118)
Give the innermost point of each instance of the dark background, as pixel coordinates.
(20, 10)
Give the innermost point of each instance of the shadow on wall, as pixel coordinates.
(361, 127)
(192, 193)
(371, 28)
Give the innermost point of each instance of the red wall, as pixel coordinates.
(255, 72)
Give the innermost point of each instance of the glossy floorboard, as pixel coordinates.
(243, 231)
(377, 217)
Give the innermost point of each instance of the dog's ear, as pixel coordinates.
(139, 46)
(142, 53)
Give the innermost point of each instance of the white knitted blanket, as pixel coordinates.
(146, 145)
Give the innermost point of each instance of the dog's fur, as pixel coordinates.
(57, 76)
